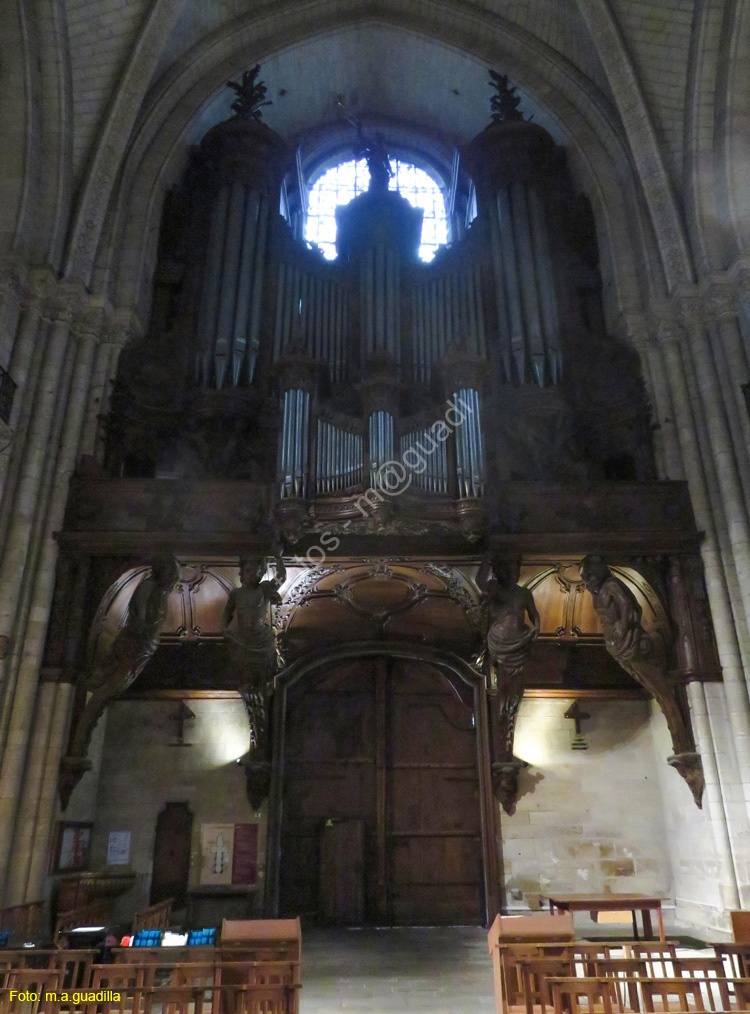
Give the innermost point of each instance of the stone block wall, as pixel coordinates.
(141, 773)
(588, 821)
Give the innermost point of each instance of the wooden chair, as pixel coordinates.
(736, 958)
(127, 980)
(262, 1000)
(706, 968)
(599, 996)
(74, 966)
(623, 972)
(155, 917)
(678, 995)
(176, 1000)
(40, 981)
(528, 931)
(659, 957)
(534, 973)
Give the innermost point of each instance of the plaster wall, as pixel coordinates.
(141, 773)
(587, 821)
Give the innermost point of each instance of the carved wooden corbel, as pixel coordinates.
(643, 656)
(131, 650)
(509, 639)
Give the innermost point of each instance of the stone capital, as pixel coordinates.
(124, 327)
(721, 300)
(666, 329)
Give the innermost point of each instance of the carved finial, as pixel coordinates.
(505, 104)
(251, 95)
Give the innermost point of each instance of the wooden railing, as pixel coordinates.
(22, 922)
(155, 917)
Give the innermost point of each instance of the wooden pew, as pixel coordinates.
(529, 931)
(22, 922)
(155, 917)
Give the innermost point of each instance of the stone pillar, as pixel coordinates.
(723, 457)
(714, 803)
(11, 292)
(26, 822)
(38, 860)
(670, 334)
(723, 312)
(22, 702)
(23, 368)
(15, 552)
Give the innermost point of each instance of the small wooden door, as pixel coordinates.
(171, 867)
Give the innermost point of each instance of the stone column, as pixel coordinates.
(723, 310)
(40, 845)
(723, 457)
(26, 822)
(714, 802)
(15, 551)
(11, 292)
(24, 368)
(21, 712)
(721, 608)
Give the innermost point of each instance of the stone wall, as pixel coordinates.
(588, 821)
(141, 772)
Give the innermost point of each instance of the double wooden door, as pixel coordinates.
(381, 807)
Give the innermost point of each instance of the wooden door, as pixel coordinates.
(171, 866)
(433, 827)
(386, 751)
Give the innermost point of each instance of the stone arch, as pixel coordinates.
(598, 147)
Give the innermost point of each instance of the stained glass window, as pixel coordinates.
(344, 181)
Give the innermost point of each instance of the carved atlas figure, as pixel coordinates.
(513, 625)
(121, 665)
(643, 656)
(251, 641)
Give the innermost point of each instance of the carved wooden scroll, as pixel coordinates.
(115, 673)
(644, 657)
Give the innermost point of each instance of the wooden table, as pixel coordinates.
(594, 903)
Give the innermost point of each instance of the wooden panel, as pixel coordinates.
(342, 873)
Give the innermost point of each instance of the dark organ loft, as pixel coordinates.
(391, 473)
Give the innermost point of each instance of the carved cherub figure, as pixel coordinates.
(252, 642)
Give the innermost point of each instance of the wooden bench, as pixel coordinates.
(155, 917)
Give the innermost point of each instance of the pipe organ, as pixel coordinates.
(334, 368)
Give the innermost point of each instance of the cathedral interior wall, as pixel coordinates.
(141, 772)
(587, 821)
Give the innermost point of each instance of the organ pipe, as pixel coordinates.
(231, 304)
(295, 435)
(469, 444)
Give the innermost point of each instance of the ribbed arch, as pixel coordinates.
(598, 151)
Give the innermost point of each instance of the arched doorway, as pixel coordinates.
(382, 812)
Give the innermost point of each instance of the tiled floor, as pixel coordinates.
(443, 970)
(397, 971)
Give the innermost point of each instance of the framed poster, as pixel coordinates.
(118, 848)
(72, 846)
(217, 847)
